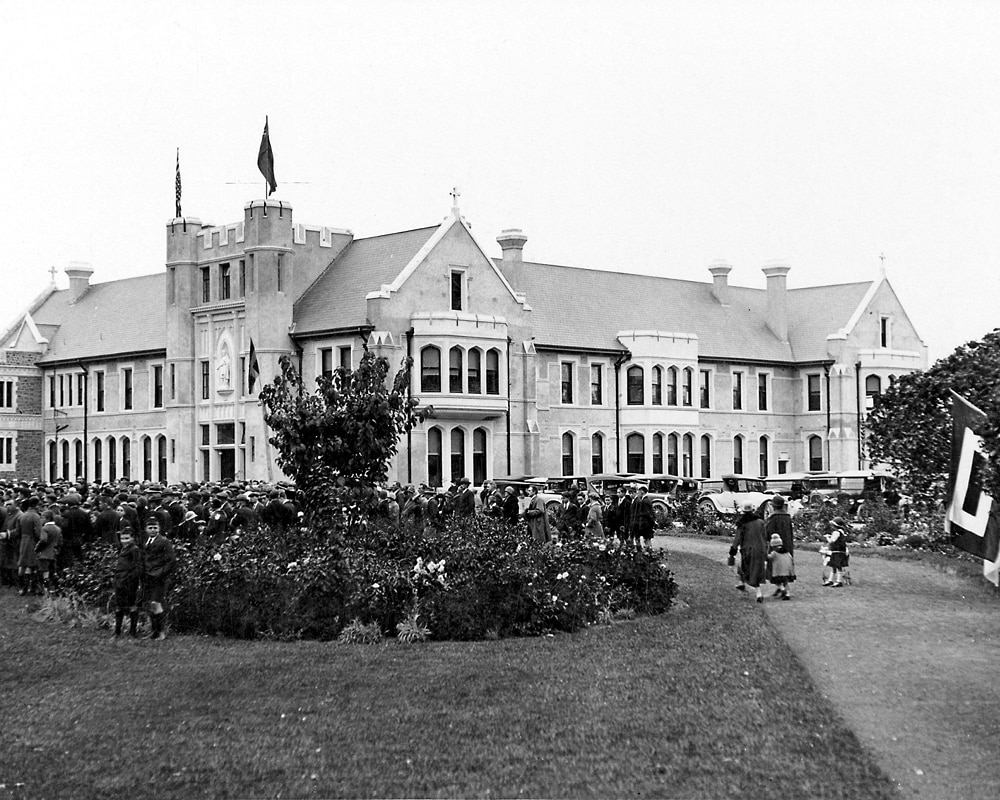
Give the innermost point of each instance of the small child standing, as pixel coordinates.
(47, 549)
(782, 567)
(128, 572)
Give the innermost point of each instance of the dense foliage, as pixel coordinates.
(475, 578)
(341, 437)
(911, 427)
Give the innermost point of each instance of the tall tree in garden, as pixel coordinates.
(910, 429)
(336, 442)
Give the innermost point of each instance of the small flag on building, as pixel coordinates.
(253, 371)
(265, 160)
(177, 186)
(972, 518)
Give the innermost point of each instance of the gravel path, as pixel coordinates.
(910, 656)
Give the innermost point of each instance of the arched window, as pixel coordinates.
(873, 390)
(455, 370)
(635, 448)
(434, 476)
(64, 467)
(672, 454)
(112, 459)
(658, 453)
(430, 369)
(126, 458)
(687, 465)
(738, 455)
(596, 454)
(764, 460)
(657, 387)
(161, 459)
(706, 456)
(633, 379)
(457, 454)
(98, 461)
(147, 458)
(567, 454)
(493, 371)
(688, 389)
(815, 453)
(672, 387)
(475, 371)
(479, 456)
(78, 459)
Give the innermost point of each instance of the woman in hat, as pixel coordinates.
(779, 522)
(595, 511)
(749, 541)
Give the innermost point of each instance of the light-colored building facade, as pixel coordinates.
(530, 368)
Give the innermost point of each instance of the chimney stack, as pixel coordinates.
(777, 298)
(512, 241)
(720, 281)
(79, 274)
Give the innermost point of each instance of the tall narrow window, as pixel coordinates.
(99, 389)
(885, 332)
(596, 384)
(672, 454)
(635, 453)
(737, 391)
(566, 382)
(815, 398)
(69, 389)
(147, 458)
(456, 290)
(479, 456)
(279, 275)
(738, 455)
(243, 278)
(64, 468)
(706, 456)
(455, 370)
(457, 454)
(62, 391)
(157, 386)
(173, 381)
(762, 467)
(873, 391)
(687, 456)
(567, 454)
(430, 370)
(596, 454)
(53, 462)
(475, 371)
(705, 389)
(126, 458)
(161, 458)
(815, 453)
(762, 391)
(225, 287)
(52, 391)
(672, 386)
(688, 388)
(81, 382)
(435, 477)
(633, 383)
(98, 461)
(656, 389)
(78, 459)
(326, 362)
(658, 453)
(344, 357)
(112, 459)
(7, 450)
(206, 285)
(205, 381)
(127, 388)
(492, 372)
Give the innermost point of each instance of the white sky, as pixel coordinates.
(635, 136)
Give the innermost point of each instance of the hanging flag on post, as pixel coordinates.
(972, 518)
(177, 186)
(265, 160)
(253, 371)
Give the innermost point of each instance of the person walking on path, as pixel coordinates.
(837, 543)
(749, 541)
(780, 561)
(779, 523)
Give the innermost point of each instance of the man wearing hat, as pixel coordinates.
(159, 562)
(510, 509)
(465, 502)
(76, 529)
(779, 523)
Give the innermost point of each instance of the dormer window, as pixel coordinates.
(457, 288)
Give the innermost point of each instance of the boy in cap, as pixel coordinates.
(160, 561)
(128, 572)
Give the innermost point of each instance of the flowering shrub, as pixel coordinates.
(472, 579)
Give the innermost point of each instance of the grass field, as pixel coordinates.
(703, 702)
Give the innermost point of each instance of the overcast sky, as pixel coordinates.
(648, 137)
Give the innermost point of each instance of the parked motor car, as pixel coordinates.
(803, 486)
(856, 486)
(728, 494)
(667, 492)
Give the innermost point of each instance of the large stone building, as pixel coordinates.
(531, 368)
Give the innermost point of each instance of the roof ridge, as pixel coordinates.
(395, 233)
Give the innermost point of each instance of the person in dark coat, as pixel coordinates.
(751, 544)
(619, 515)
(537, 517)
(107, 522)
(29, 526)
(465, 499)
(128, 574)
(159, 562)
(244, 517)
(9, 545)
(640, 518)
(780, 522)
(510, 510)
(76, 529)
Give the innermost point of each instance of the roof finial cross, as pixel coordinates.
(52, 272)
(881, 268)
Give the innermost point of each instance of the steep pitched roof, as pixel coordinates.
(122, 316)
(587, 308)
(337, 297)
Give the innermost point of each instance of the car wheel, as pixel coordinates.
(553, 511)
(661, 515)
(707, 507)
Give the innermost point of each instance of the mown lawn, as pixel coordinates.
(703, 702)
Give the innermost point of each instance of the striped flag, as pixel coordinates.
(253, 372)
(972, 518)
(177, 186)
(265, 160)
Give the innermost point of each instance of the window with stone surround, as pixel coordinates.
(7, 394)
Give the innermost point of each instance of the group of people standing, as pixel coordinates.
(766, 549)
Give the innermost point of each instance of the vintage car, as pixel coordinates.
(803, 486)
(667, 492)
(728, 495)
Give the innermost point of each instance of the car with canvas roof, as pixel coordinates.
(727, 495)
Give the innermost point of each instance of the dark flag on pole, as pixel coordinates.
(177, 186)
(253, 371)
(972, 518)
(265, 160)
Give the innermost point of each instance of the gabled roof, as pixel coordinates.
(337, 297)
(587, 308)
(123, 316)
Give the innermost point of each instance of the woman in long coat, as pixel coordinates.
(749, 541)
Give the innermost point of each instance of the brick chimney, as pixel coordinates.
(720, 281)
(512, 242)
(79, 274)
(777, 298)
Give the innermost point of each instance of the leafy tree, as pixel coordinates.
(336, 442)
(911, 427)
